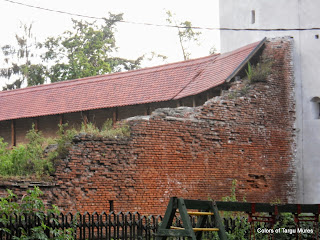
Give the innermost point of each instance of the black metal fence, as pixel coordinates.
(111, 226)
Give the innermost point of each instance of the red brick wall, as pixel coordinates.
(246, 134)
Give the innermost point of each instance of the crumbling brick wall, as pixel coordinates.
(246, 134)
(193, 152)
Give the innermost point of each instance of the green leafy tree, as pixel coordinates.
(186, 33)
(18, 64)
(86, 51)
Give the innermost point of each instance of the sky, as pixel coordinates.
(133, 40)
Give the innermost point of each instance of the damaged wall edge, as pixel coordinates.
(192, 152)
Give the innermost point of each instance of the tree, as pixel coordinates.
(19, 68)
(185, 33)
(86, 51)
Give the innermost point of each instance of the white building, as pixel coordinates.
(299, 16)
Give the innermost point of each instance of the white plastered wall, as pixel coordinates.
(293, 14)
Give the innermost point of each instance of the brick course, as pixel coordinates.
(192, 152)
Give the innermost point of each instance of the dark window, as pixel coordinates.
(111, 208)
(253, 16)
(316, 107)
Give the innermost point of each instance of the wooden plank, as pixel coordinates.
(148, 109)
(169, 215)
(222, 233)
(300, 208)
(206, 229)
(167, 219)
(85, 116)
(197, 204)
(266, 207)
(178, 228)
(245, 207)
(198, 229)
(200, 213)
(61, 119)
(36, 123)
(185, 217)
(114, 115)
(13, 133)
(163, 233)
(234, 206)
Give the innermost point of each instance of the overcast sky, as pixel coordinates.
(133, 40)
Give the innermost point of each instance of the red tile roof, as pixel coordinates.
(155, 84)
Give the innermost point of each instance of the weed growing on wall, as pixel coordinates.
(255, 73)
(259, 72)
(62, 142)
(119, 130)
(89, 128)
(108, 130)
(241, 90)
(31, 160)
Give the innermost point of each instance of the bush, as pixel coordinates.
(259, 72)
(25, 159)
(30, 205)
(62, 141)
(119, 130)
(30, 159)
(108, 130)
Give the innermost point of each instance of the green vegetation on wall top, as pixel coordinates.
(259, 72)
(31, 159)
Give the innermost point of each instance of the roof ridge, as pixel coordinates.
(98, 78)
(218, 58)
(236, 51)
(250, 47)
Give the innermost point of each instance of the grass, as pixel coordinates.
(108, 130)
(259, 72)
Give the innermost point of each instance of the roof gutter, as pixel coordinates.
(244, 62)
